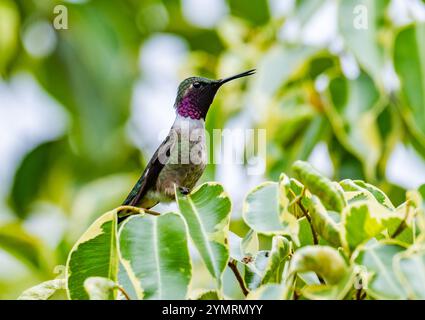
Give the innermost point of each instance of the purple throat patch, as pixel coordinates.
(187, 108)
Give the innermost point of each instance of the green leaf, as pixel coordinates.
(243, 248)
(154, 251)
(99, 288)
(353, 109)
(379, 195)
(410, 269)
(325, 261)
(206, 211)
(94, 255)
(362, 221)
(281, 248)
(44, 290)
(409, 62)
(323, 223)
(206, 295)
(27, 248)
(255, 268)
(328, 192)
(267, 292)
(249, 244)
(263, 213)
(378, 259)
(330, 292)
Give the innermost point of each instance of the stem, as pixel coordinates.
(137, 210)
(402, 224)
(121, 289)
(232, 265)
(305, 213)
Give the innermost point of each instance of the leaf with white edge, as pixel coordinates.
(206, 211)
(44, 290)
(243, 248)
(323, 223)
(154, 251)
(378, 194)
(249, 244)
(262, 211)
(268, 292)
(99, 288)
(281, 248)
(362, 221)
(94, 255)
(378, 260)
(325, 261)
(410, 269)
(330, 292)
(255, 268)
(329, 193)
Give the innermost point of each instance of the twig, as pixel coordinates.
(232, 265)
(121, 289)
(307, 216)
(402, 224)
(137, 210)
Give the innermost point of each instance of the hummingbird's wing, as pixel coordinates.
(150, 174)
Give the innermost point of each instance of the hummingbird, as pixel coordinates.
(181, 158)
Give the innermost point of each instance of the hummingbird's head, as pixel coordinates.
(195, 94)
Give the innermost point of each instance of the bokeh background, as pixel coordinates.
(83, 109)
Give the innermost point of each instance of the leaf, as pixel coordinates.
(353, 109)
(99, 288)
(305, 234)
(94, 255)
(249, 244)
(44, 290)
(154, 252)
(410, 269)
(263, 213)
(27, 248)
(328, 192)
(379, 195)
(378, 259)
(322, 222)
(206, 295)
(241, 249)
(330, 292)
(281, 248)
(325, 261)
(409, 62)
(359, 23)
(362, 221)
(255, 268)
(206, 211)
(267, 292)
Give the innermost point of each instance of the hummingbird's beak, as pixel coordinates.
(240, 75)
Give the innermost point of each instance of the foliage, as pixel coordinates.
(367, 249)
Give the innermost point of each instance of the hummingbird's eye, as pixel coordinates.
(196, 84)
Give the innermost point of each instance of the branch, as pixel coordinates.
(232, 265)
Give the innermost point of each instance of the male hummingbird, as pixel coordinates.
(181, 158)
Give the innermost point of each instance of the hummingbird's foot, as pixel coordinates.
(184, 191)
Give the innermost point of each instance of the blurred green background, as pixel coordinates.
(82, 109)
